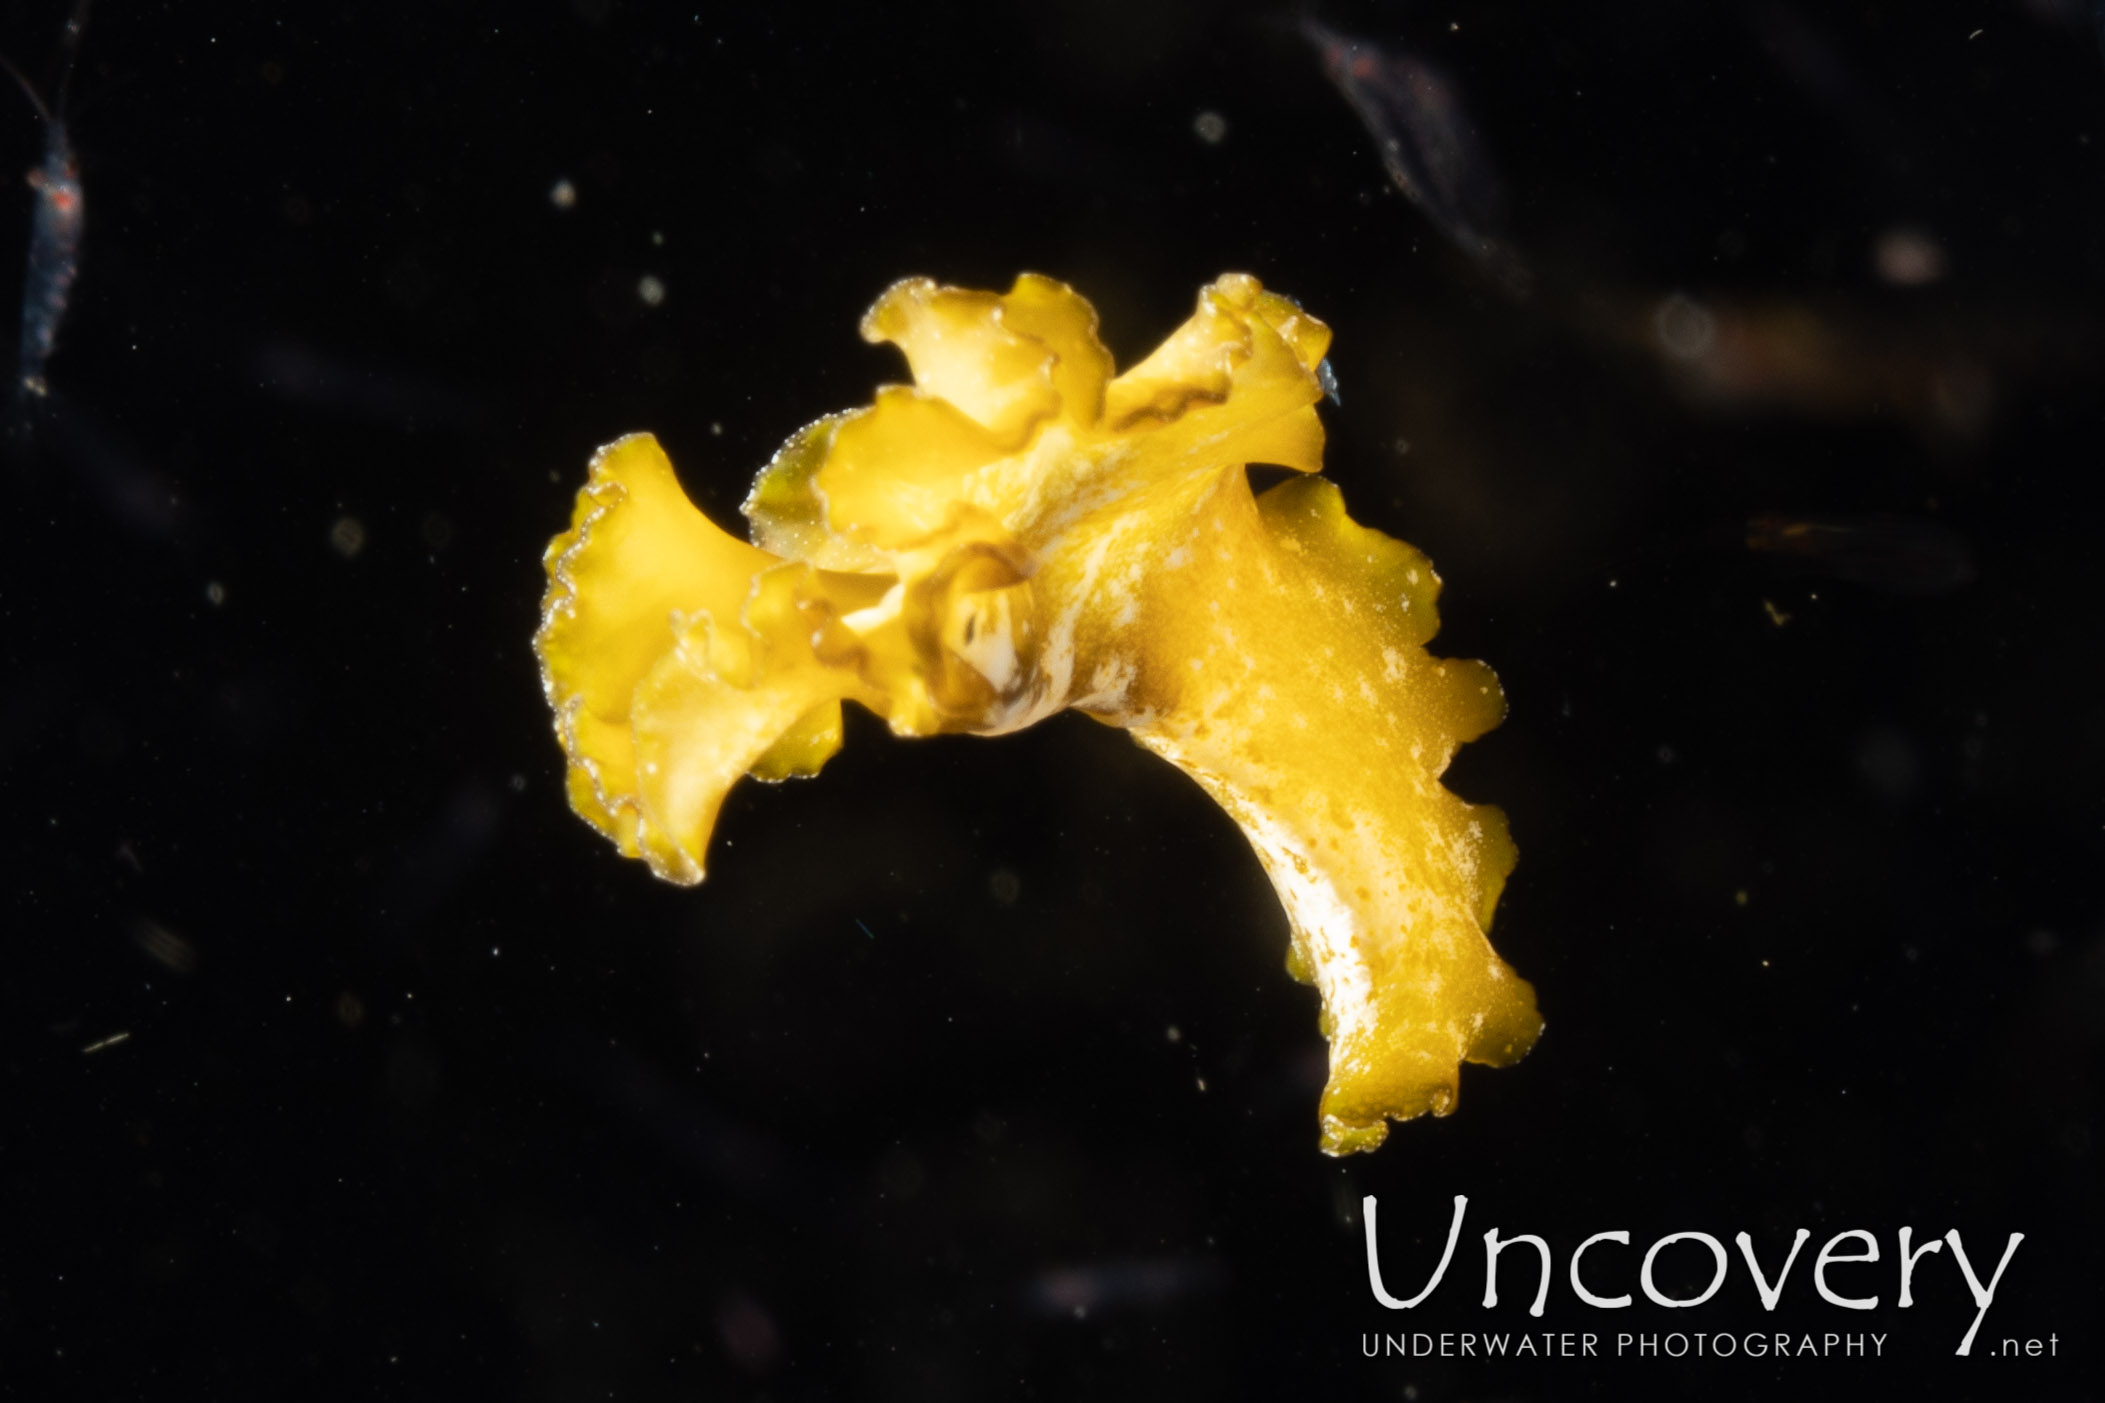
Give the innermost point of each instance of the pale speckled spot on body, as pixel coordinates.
(1326, 925)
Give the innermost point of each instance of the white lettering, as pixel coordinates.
(1717, 1249)
(1907, 1263)
(1604, 1302)
(1493, 1245)
(1981, 1298)
(1828, 1254)
(1770, 1294)
(1454, 1232)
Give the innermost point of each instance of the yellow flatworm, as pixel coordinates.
(1020, 531)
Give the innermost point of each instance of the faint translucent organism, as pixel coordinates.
(164, 946)
(1891, 554)
(1077, 1292)
(54, 229)
(1427, 143)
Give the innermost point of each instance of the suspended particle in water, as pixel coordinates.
(1908, 257)
(562, 194)
(1211, 126)
(1004, 886)
(651, 289)
(1684, 327)
(347, 537)
(750, 1335)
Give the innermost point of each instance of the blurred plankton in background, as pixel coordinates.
(1019, 532)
